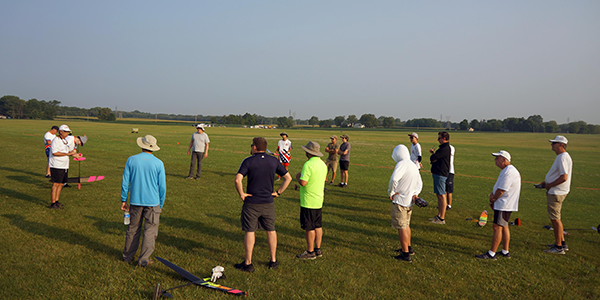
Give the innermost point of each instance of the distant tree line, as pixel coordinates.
(14, 107)
(533, 123)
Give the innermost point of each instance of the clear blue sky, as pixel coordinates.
(405, 59)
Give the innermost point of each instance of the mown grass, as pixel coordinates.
(75, 253)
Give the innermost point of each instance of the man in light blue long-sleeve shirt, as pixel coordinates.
(144, 182)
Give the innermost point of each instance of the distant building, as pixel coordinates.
(358, 125)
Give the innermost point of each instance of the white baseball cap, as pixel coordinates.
(502, 153)
(559, 139)
(415, 135)
(64, 127)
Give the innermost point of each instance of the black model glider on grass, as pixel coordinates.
(194, 280)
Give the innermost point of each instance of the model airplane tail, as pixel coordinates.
(197, 281)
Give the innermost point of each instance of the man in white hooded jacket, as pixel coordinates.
(404, 187)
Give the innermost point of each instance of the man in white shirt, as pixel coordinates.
(558, 185)
(403, 188)
(504, 199)
(48, 137)
(415, 150)
(198, 149)
(450, 180)
(61, 148)
(284, 150)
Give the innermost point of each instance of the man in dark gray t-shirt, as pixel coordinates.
(344, 153)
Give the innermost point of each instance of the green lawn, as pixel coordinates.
(75, 253)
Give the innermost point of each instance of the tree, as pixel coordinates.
(351, 120)
(389, 122)
(250, 119)
(106, 114)
(464, 125)
(474, 124)
(551, 126)
(214, 120)
(339, 120)
(313, 121)
(285, 122)
(369, 120)
(325, 123)
(12, 106)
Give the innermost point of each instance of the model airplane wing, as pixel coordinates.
(202, 282)
(85, 179)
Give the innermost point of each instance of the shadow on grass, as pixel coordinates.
(116, 228)
(21, 196)
(60, 234)
(22, 171)
(189, 245)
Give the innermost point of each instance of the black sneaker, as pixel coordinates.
(54, 206)
(410, 250)
(318, 252)
(273, 265)
(500, 254)
(60, 205)
(340, 184)
(47, 176)
(564, 246)
(307, 255)
(66, 185)
(486, 255)
(403, 256)
(244, 267)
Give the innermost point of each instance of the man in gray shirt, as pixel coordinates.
(199, 150)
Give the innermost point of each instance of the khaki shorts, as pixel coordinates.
(554, 205)
(401, 216)
(331, 165)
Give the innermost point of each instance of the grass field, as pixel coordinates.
(75, 253)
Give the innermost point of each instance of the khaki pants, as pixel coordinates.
(151, 216)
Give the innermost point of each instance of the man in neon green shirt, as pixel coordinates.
(312, 185)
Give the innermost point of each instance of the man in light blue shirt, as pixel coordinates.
(144, 182)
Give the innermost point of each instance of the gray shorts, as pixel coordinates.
(501, 218)
(256, 216)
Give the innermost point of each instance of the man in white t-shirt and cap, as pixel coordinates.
(60, 149)
(504, 199)
(415, 150)
(558, 184)
(198, 149)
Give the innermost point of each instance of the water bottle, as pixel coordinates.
(126, 219)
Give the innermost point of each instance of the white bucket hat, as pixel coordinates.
(148, 143)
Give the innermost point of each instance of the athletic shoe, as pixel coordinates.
(340, 185)
(47, 176)
(404, 257)
(564, 246)
(345, 185)
(500, 254)
(555, 250)
(437, 220)
(60, 205)
(145, 263)
(448, 207)
(307, 255)
(273, 265)
(410, 250)
(54, 206)
(66, 185)
(244, 267)
(486, 255)
(318, 252)
(189, 177)
(331, 183)
(431, 219)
